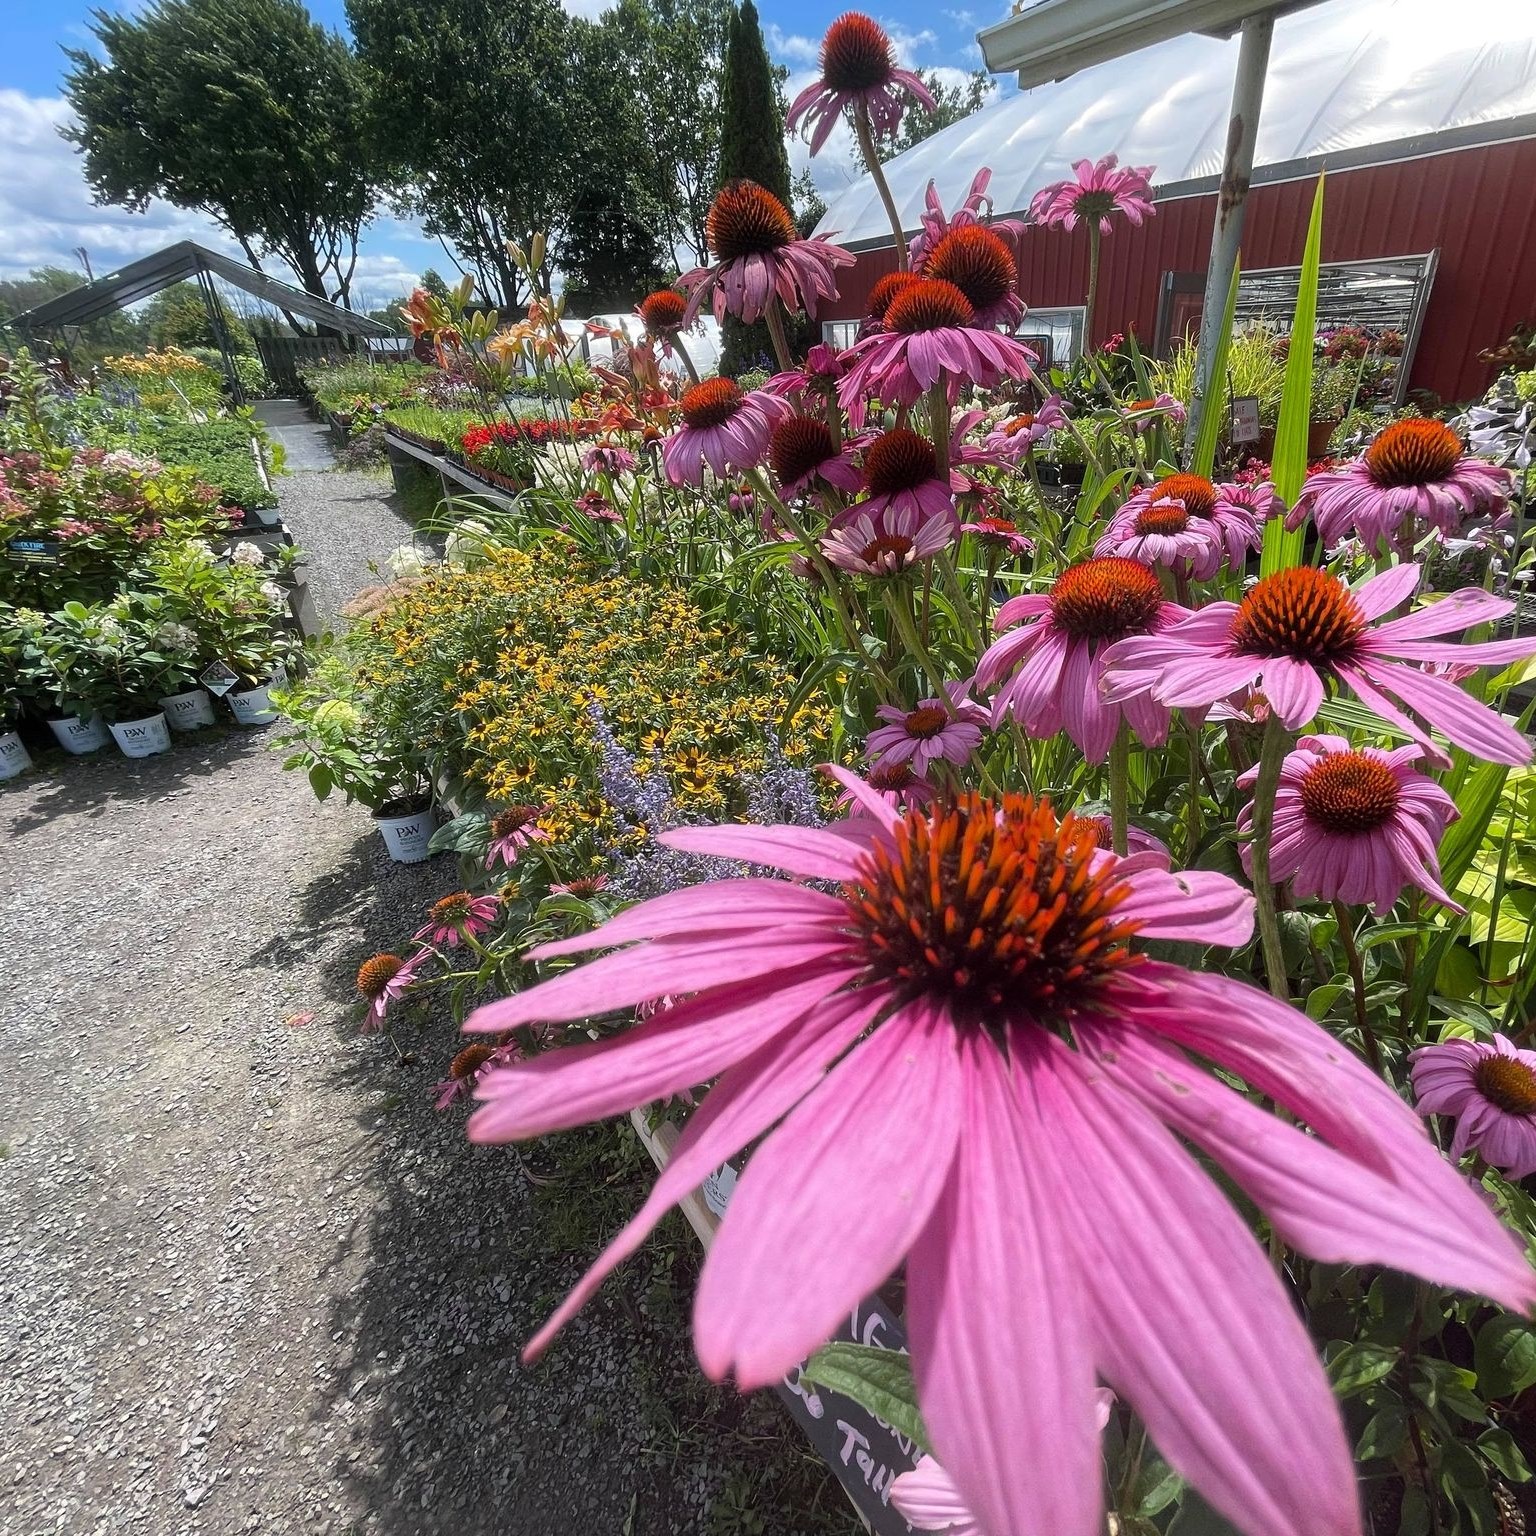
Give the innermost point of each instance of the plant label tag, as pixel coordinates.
(1245, 418)
(219, 677)
(34, 551)
(717, 1188)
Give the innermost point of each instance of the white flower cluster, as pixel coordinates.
(176, 638)
(246, 553)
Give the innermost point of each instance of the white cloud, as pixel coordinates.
(792, 48)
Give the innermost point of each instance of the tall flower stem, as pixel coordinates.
(1277, 742)
(1094, 241)
(687, 362)
(900, 610)
(773, 315)
(1357, 981)
(1120, 789)
(866, 137)
(938, 424)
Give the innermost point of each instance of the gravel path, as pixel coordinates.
(252, 1281)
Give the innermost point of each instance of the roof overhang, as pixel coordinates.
(1056, 38)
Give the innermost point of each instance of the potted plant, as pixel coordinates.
(338, 747)
(54, 664)
(14, 757)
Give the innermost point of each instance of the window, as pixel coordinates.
(1056, 334)
(840, 333)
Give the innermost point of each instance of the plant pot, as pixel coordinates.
(1071, 475)
(1318, 433)
(252, 706)
(144, 737)
(406, 836)
(14, 757)
(79, 736)
(189, 711)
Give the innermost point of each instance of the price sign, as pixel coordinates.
(1245, 418)
(219, 677)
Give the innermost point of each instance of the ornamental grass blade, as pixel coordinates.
(1203, 459)
(1283, 549)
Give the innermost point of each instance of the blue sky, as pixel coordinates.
(45, 209)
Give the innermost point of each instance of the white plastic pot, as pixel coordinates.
(188, 711)
(252, 706)
(143, 738)
(407, 837)
(14, 757)
(79, 736)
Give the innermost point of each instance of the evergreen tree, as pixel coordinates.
(751, 145)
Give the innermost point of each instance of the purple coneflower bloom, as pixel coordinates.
(383, 980)
(721, 427)
(1141, 415)
(459, 916)
(887, 543)
(513, 830)
(999, 533)
(594, 505)
(895, 785)
(1295, 631)
(1354, 824)
(858, 70)
(584, 887)
(1491, 1090)
(610, 458)
(1188, 520)
(1098, 190)
(930, 334)
(936, 223)
(901, 471)
(464, 1072)
(1415, 476)
(759, 255)
(1047, 671)
(979, 263)
(1013, 439)
(805, 457)
(910, 1029)
(933, 732)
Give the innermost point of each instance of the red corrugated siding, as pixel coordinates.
(1474, 205)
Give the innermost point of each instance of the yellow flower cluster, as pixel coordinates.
(509, 657)
(163, 364)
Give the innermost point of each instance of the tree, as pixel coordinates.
(244, 109)
(809, 204)
(178, 317)
(951, 104)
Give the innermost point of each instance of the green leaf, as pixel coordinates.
(1498, 1445)
(1414, 1518)
(1157, 1487)
(1358, 1365)
(1203, 459)
(1505, 1356)
(469, 833)
(1289, 466)
(877, 1379)
(1476, 801)
(320, 780)
(1383, 1436)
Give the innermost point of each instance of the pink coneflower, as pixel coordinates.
(1298, 630)
(759, 255)
(910, 1029)
(1097, 191)
(1491, 1090)
(607, 458)
(805, 457)
(1188, 521)
(721, 427)
(936, 223)
(930, 334)
(1137, 839)
(1354, 824)
(458, 917)
(933, 732)
(978, 262)
(663, 313)
(383, 980)
(928, 1500)
(999, 533)
(1415, 476)
(884, 293)
(891, 784)
(1014, 438)
(1047, 671)
(1142, 415)
(597, 507)
(512, 830)
(887, 544)
(583, 887)
(901, 471)
(463, 1073)
(858, 71)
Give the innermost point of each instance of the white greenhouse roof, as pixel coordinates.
(1410, 76)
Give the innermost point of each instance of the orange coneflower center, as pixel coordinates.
(469, 1061)
(886, 544)
(1017, 424)
(886, 289)
(1413, 452)
(930, 304)
(747, 220)
(452, 911)
(1105, 598)
(513, 819)
(1508, 1083)
(977, 262)
(1350, 792)
(926, 722)
(376, 973)
(899, 460)
(856, 54)
(1166, 517)
(996, 530)
(1303, 612)
(663, 310)
(712, 403)
(984, 901)
(798, 445)
(891, 776)
(1195, 491)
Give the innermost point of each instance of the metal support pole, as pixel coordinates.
(220, 333)
(1231, 205)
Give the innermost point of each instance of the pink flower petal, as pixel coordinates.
(811, 852)
(1197, 906)
(1386, 591)
(928, 1500)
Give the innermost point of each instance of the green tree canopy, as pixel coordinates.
(178, 317)
(752, 138)
(245, 109)
(951, 103)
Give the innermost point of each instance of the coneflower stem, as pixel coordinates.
(1277, 742)
(1094, 237)
(774, 317)
(1120, 789)
(866, 137)
(1357, 981)
(938, 425)
(687, 362)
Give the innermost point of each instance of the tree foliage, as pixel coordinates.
(951, 103)
(178, 317)
(244, 109)
(752, 139)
